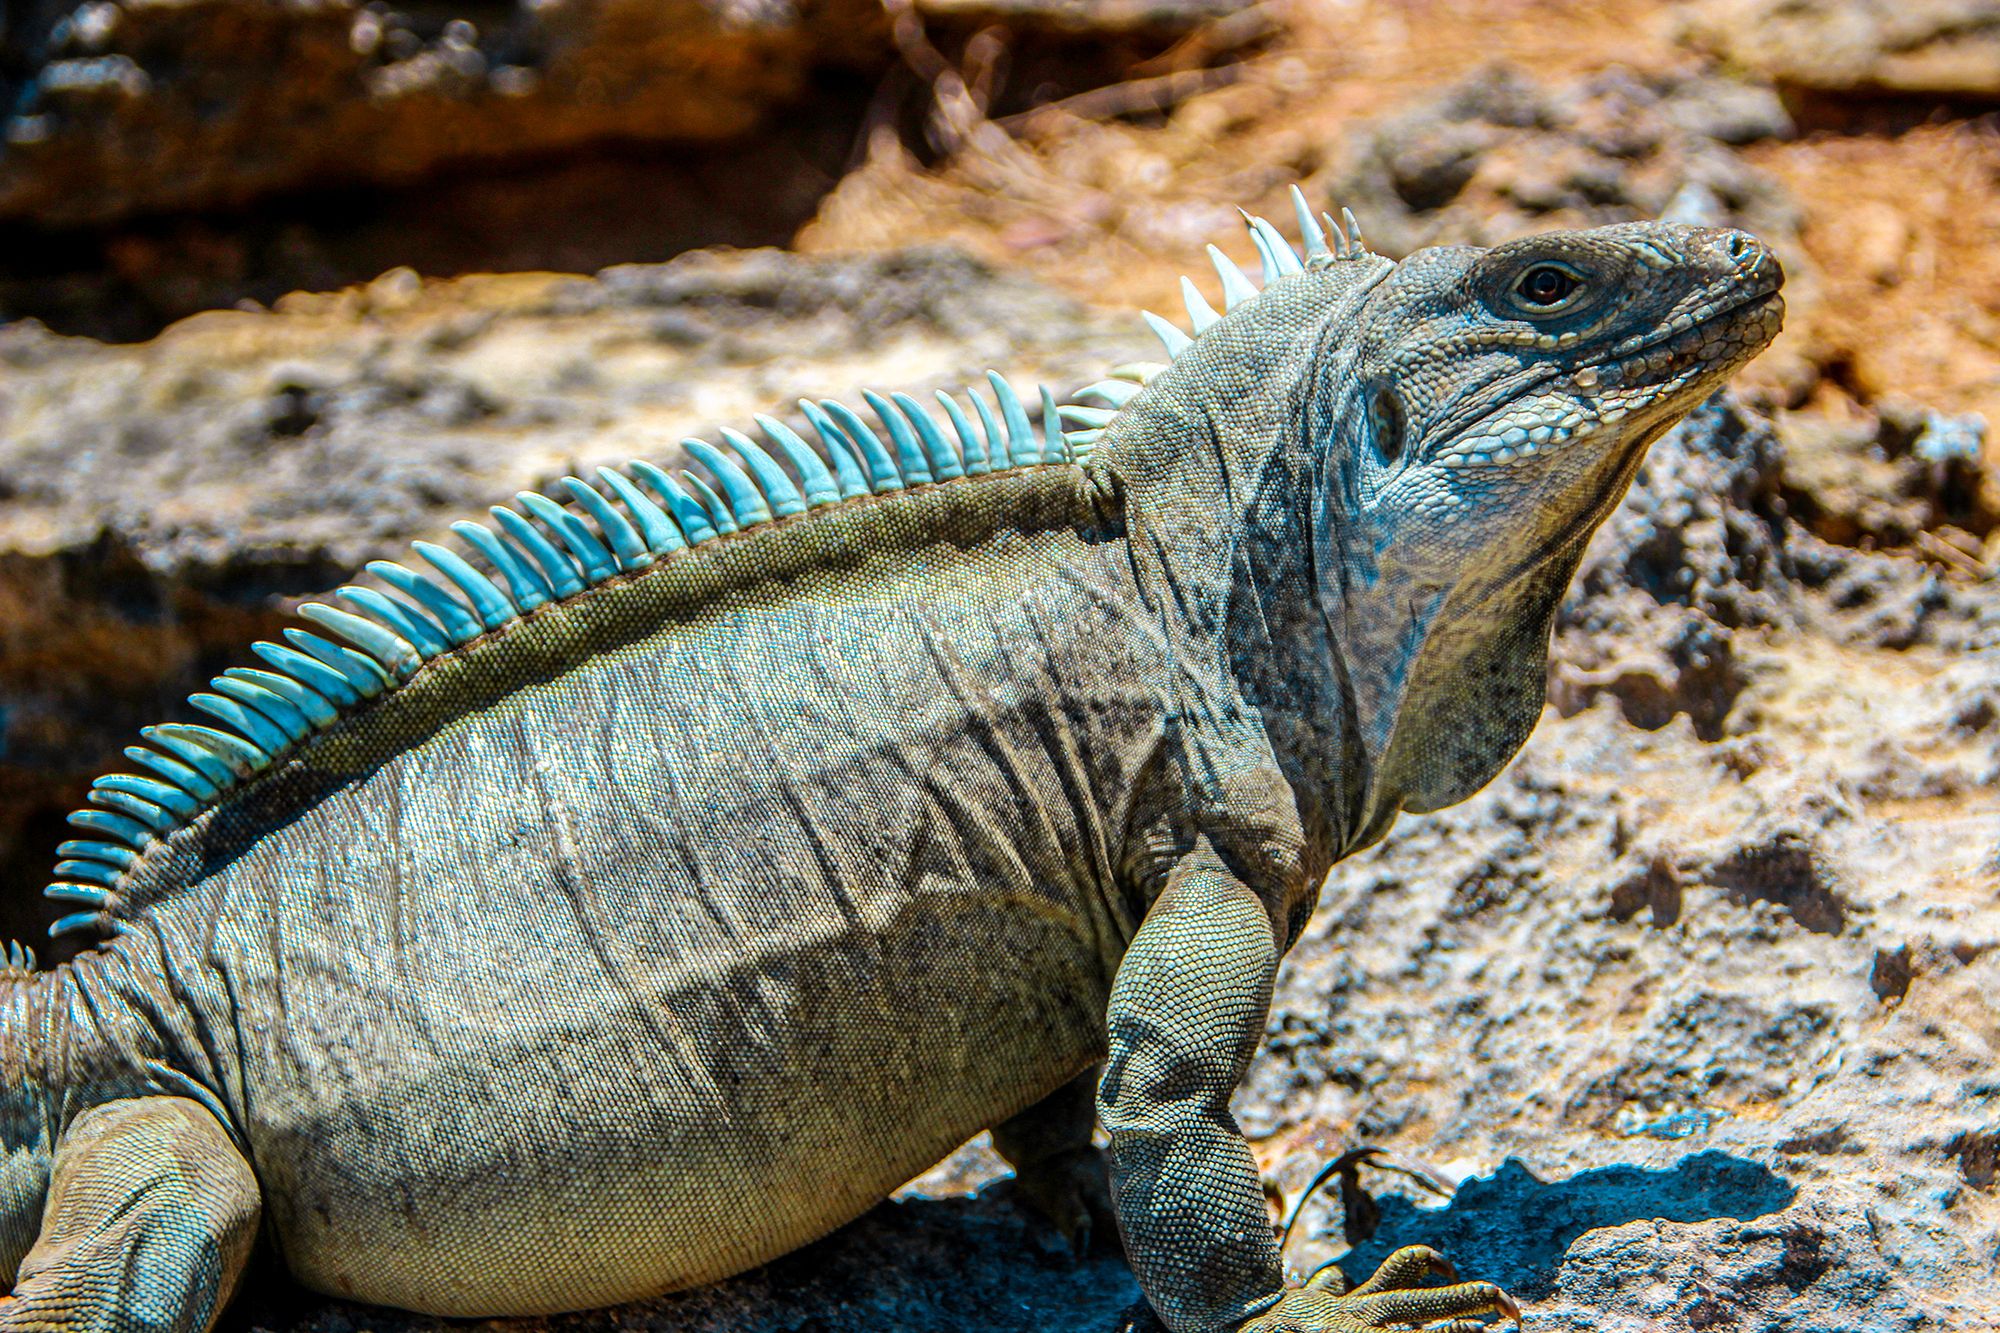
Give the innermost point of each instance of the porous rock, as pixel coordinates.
(1938, 47)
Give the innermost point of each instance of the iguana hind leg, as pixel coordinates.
(151, 1214)
(1059, 1172)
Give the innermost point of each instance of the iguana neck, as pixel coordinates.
(1219, 481)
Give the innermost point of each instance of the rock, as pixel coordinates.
(126, 107)
(1947, 48)
(123, 106)
(1500, 154)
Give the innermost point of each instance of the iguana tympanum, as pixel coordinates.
(659, 893)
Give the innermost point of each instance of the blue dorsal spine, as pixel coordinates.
(552, 549)
(542, 552)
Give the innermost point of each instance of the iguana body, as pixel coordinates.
(651, 928)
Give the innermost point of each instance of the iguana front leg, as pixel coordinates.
(1186, 1013)
(1058, 1171)
(151, 1214)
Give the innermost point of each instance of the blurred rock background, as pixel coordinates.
(1687, 1023)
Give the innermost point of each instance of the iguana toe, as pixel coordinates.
(1071, 1192)
(1391, 1299)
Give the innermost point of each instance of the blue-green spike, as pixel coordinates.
(882, 473)
(488, 602)
(98, 896)
(309, 702)
(910, 460)
(526, 584)
(1112, 393)
(560, 570)
(77, 921)
(259, 730)
(364, 673)
(164, 795)
(241, 757)
(1090, 417)
(406, 622)
(173, 770)
(211, 766)
(1170, 337)
(747, 504)
(1083, 439)
(996, 438)
(694, 520)
(135, 807)
(282, 712)
(1054, 447)
(713, 505)
(852, 482)
(976, 461)
(458, 623)
(1236, 289)
(1200, 313)
(88, 872)
(570, 530)
(1309, 228)
(627, 547)
(820, 486)
(944, 459)
(103, 822)
(392, 651)
(1021, 444)
(658, 530)
(89, 849)
(778, 487)
(322, 678)
(1281, 261)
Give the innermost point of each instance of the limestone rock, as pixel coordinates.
(1947, 48)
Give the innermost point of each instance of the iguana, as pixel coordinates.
(656, 894)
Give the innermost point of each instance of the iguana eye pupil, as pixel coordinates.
(1545, 285)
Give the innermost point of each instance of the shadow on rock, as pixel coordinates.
(1513, 1228)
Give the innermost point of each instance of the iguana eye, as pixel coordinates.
(1546, 287)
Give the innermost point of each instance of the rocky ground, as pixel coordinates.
(1686, 1023)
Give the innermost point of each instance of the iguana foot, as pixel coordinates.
(1057, 1172)
(1391, 1299)
(1072, 1192)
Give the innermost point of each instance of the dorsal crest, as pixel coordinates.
(367, 641)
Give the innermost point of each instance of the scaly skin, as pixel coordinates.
(593, 961)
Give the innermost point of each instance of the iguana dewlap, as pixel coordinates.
(653, 884)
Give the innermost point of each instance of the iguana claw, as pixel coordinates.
(1391, 1299)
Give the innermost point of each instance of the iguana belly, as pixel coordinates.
(558, 1141)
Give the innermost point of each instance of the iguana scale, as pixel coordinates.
(654, 895)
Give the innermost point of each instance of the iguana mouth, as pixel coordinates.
(1689, 340)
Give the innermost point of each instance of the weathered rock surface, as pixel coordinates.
(121, 106)
(1948, 47)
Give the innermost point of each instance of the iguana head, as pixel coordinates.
(1483, 415)
(1393, 468)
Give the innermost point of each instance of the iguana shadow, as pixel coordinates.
(1513, 1227)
